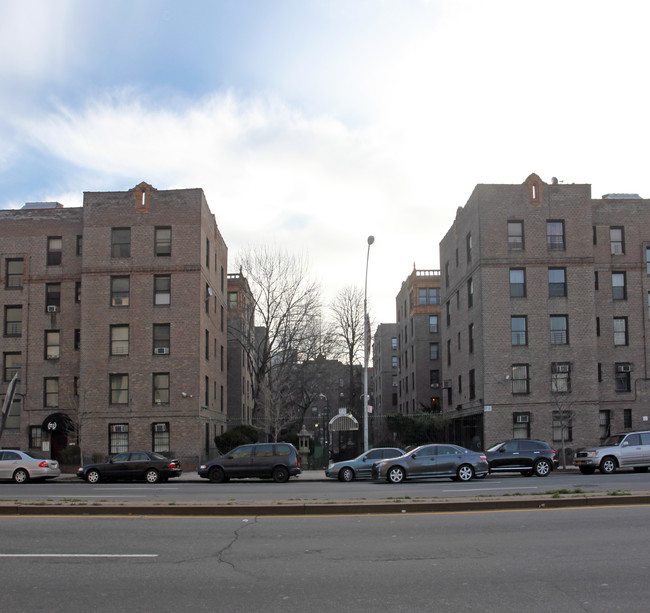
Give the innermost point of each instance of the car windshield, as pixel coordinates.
(496, 447)
(614, 440)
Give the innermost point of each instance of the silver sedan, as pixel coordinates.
(427, 461)
(21, 467)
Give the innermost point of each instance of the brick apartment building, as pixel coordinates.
(385, 364)
(545, 314)
(115, 320)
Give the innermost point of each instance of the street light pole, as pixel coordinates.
(366, 344)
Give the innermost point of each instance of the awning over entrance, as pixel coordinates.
(343, 423)
(58, 422)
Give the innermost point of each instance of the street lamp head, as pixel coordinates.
(371, 240)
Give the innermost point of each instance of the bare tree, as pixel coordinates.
(347, 314)
(287, 322)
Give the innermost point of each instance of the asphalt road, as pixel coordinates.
(570, 560)
(314, 487)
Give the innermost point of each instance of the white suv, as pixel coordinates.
(627, 450)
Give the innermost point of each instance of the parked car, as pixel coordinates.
(132, 466)
(526, 456)
(277, 461)
(457, 463)
(625, 450)
(21, 467)
(361, 467)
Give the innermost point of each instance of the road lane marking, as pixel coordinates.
(486, 489)
(78, 555)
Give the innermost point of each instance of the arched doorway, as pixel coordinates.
(58, 426)
(344, 437)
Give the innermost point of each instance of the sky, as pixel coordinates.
(313, 124)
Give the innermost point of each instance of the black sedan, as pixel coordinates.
(133, 466)
(526, 456)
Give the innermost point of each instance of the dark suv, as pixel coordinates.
(528, 457)
(277, 461)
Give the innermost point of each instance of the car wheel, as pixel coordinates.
(93, 476)
(527, 473)
(608, 466)
(280, 474)
(640, 469)
(21, 476)
(347, 474)
(217, 475)
(395, 474)
(152, 476)
(586, 470)
(465, 472)
(542, 468)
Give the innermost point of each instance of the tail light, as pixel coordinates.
(173, 464)
(553, 452)
(44, 464)
(483, 457)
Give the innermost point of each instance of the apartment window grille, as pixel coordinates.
(161, 438)
(118, 438)
(521, 425)
(11, 365)
(520, 379)
(559, 330)
(622, 377)
(562, 426)
(519, 330)
(13, 321)
(560, 377)
(35, 437)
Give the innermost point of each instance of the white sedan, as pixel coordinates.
(21, 467)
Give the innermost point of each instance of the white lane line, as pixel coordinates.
(102, 496)
(78, 555)
(487, 489)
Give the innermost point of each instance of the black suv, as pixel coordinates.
(277, 461)
(528, 457)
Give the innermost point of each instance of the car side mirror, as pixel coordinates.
(502, 450)
(625, 444)
(415, 455)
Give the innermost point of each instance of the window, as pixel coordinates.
(470, 338)
(14, 276)
(13, 321)
(559, 330)
(77, 338)
(519, 329)
(51, 392)
(449, 353)
(448, 313)
(517, 283)
(233, 301)
(521, 425)
(394, 381)
(52, 345)
(562, 426)
(120, 287)
(118, 438)
(161, 339)
(434, 378)
(556, 282)
(161, 442)
(121, 243)
(446, 274)
(470, 293)
(207, 344)
(162, 241)
(560, 377)
(555, 235)
(620, 331)
(161, 388)
(515, 235)
(616, 240)
(119, 389)
(618, 286)
(394, 362)
(80, 244)
(77, 291)
(433, 324)
(627, 418)
(162, 290)
(604, 424)
(35, 437)
(120, 339)
(52, 296)
(393, 343)
(520, 379)
(622, 377)
(472, 384)
(647, 260)
(54, 247)
(11, 365)
(428, 295)
(468, 247)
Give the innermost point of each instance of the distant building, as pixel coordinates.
(545, 314)
(114, 317)
(385, 364)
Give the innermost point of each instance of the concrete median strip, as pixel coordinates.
(297, 508)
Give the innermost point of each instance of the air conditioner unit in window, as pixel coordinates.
(522, 419)
(118, 302)
(446, 383)
(624, 368)
(52, 308)
(561, 368)
(52, 357)
(160, 428)
(434, 385)
(120, 428)
(161, 350)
